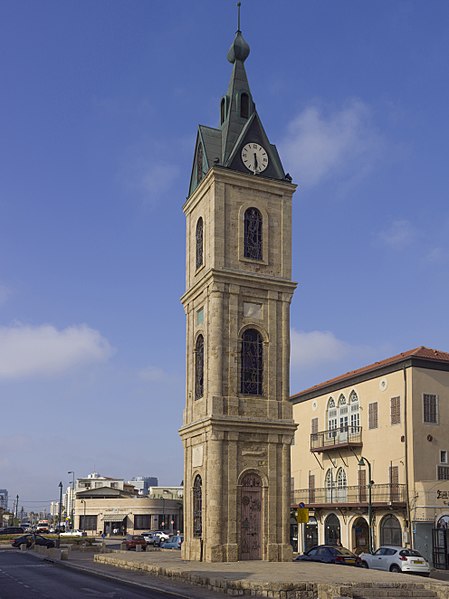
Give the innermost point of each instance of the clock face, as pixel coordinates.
(254, 157)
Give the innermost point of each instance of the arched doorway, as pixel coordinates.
(331, 530)
(310, 533)
(360, 535)
(251, 512)
(390, 531)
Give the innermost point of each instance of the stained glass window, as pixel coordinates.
(252, 363)
(199, 367)
(253, 234)
(197, 507)
(199, 242)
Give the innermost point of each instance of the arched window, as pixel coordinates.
(354, 407)
(253, 234)
(197, 507)
(199, 242)
(329, 485)
(199, 163)
(251, 363)
(244, 106)
(331, 419)
(343, 417)
(199, 367)
(342, 485)
(390, 531)
(332, 530)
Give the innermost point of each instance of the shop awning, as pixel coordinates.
(114, 517)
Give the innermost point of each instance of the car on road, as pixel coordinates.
(330, 554)
(12, 530)
(31, 539)
(174, 542)
(396, 559)
(149, 537)
(74, 533)
(160, 537)
(134, 541)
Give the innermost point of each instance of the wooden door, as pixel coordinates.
(251, 517)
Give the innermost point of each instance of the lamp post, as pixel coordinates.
(59, 515)
(83, 501)
(72, 500)
(364, 462)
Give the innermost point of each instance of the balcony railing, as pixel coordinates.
(336, 438)
(381, 495)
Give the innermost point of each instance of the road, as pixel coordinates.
(23, 576)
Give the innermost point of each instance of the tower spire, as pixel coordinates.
(239, 4)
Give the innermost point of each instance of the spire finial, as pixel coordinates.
(239, 4)
(239, 49)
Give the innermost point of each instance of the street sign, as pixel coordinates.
(302, 515)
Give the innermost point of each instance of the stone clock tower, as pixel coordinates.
(237, 426)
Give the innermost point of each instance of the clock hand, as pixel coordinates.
(255, 162)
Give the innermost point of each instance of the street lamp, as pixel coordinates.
(83, 501)
(72, 500)
(59, 515)
(364, 462)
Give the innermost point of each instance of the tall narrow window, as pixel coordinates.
(342, 484)
(311, 488)
(253, 234)
(355, 413)
(244, 106)
(252, 363)
(372, 415)
(395, 410)
(362, 486)
(199, 242)
(199, 367)
(199, 163)
(197, 507)
(222, 111)
(394, 483)
(329, 486)
(430, 406)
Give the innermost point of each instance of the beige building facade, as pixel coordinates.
(237, 425)
(371, 455)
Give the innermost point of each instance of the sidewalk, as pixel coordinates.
(165, 570)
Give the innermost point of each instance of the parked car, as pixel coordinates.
(74, 533)
(149, 537)
(330, 554)
(160, 537)
(174, 542)
(133, 541)
(12, 530)
(31, 539)
(396, 559)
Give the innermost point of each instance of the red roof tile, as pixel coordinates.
(424, 353)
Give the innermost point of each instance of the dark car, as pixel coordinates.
(330, 554)
(12, 530)
(31, 539)
(133, 541)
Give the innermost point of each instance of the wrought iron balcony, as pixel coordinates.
(343, 437)
(381, 495)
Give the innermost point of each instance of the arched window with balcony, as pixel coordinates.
(331, 418)
(354, 408)
(198, 506)
(342, 485)
(343, 419)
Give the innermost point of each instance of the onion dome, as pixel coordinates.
(239, 49)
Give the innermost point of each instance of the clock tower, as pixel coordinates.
(237, 426)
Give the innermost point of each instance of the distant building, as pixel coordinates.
(4, 499)
(143, 483)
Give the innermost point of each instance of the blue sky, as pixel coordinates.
(99, 105)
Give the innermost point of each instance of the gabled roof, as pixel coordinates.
(422, 357)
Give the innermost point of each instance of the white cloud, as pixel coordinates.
(317, 356)
(152, 374)
(342, 143)
(398, 235)
(45, 351)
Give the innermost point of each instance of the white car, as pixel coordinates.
(74, 533)
(396, 559)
